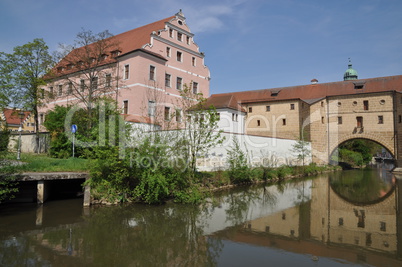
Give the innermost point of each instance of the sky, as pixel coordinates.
(248, 44)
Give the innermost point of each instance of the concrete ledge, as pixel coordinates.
(41, 176)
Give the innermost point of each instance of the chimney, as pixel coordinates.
(314, 81)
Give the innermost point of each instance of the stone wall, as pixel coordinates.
(28, 142)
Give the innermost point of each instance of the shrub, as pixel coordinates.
(239, 171)
(153, 187)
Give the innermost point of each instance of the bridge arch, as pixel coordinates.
(388, 144)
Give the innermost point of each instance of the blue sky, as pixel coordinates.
(249, 44)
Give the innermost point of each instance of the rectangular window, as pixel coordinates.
(168, 52)
(292, 106)
(322, 120)
(383, 226)
(233, 117)
(126, 71)
(94, 83)
(171, 33)
(380, 119)
(70, 88)
(51, 91)
(283, 121)
(179, 56)
(193, 61)
(188, 40)
(258, 123)
(82, 85)
(268, 108)
(195, 88)
(399, 118)
(179, 84)
(168, 80)
(60, 90)
(339, 120)
(152, 73)
(178, 115)
(41, 118)
(151, 108)
(359, 121)
(179, 36)
(108, 80)
(42, 93)
(167, 113)
(250, 109)
(366, 105)
(125, 107)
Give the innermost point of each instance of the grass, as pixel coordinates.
(43, 163)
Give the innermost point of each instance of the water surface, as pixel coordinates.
(348, 218)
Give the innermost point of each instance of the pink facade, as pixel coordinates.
(154, 63)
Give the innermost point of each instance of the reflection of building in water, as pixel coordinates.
(342, 229)
(372, 227)
(284, 223)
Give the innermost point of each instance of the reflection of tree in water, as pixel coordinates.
(131, 236)
(241, 200)
(360, 186)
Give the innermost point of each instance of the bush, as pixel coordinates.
(4, 139)
(153, 187)
(239, 171)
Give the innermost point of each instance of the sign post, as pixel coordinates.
(73, 130)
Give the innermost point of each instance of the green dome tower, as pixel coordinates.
(350, 73)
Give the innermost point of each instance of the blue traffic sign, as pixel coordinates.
(73, 128)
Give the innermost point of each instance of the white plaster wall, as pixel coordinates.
(226, 122)
(261, 150)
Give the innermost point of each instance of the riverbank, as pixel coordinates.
(221, 179)
(210, 182)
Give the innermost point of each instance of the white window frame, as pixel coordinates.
(126, 72)
(181, 83)
(153, 73)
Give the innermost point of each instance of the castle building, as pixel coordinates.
(326, 114)
(145, 70)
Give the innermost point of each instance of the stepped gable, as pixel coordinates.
(318, 91)
(11, 116)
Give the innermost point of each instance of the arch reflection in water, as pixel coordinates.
(363, 187)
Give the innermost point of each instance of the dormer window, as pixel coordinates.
(275, 92)
(60, 69)
(70, 66)
(116, 53)
(359, 85)
(103, 57)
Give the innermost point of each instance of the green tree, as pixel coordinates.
(22, 76)
(88, 58)
(301, 149)
(239, 169)
(200, 131)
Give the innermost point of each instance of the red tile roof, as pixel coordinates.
(127, 42)
(12, 116)
(313, 91)
(224, 101)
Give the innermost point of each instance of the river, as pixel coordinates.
(349, 218)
